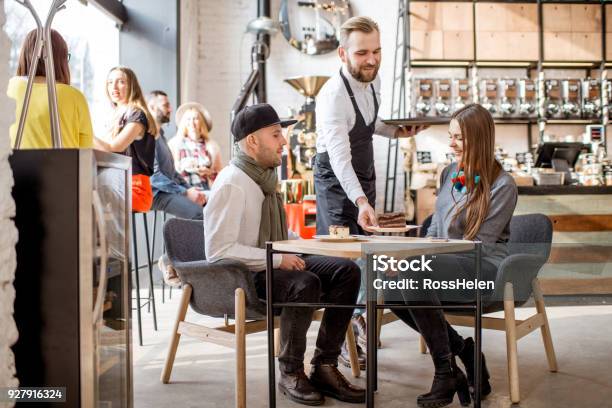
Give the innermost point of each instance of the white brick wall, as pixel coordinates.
(8, 237)
(216, 62)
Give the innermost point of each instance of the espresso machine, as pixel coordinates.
(488, 96)
(443, 97)
(424, 97)
(591, 99)
(302, 138)
(527, 98)
(570, 95)
(461, 91)
(553, 98)
(507, 105)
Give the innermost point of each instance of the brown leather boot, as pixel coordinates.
(329, 381)
(297, 387)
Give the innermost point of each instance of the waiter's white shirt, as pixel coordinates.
(336, 117)
(232, 217)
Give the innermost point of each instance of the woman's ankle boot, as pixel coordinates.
(448, 380)
(467, 358)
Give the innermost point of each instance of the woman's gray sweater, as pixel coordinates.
(495, 229)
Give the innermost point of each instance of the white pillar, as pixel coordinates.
(8, 232)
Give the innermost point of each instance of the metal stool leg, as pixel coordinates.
(164, 218)
(151, 286)
(153, 250)
(135, 242)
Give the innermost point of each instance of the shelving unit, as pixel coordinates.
(474, 64)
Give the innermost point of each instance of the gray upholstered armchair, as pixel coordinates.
(220, 289)
(516, 282)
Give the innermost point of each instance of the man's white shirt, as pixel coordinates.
(232, 217)
(336, 117)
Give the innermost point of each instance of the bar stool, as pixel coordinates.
(151, 298)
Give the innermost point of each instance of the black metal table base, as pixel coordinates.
(371, 315)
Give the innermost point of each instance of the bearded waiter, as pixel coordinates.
(347, 118)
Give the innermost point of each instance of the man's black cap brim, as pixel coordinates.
(285, 123)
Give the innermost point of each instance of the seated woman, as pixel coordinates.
(475, 201)
(196, 156)
(132, 132)
(75, 122)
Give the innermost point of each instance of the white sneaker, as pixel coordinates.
(170, 276)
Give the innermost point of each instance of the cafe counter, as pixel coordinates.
(580, 262)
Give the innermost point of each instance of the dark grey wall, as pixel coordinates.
(148, 43)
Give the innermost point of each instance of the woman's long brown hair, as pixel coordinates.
(478, 132)
(60, 57)
(135, 97)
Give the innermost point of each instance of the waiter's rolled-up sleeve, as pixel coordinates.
(333, 124)
(383, 129)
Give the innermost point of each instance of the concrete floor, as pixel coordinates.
(203, 374)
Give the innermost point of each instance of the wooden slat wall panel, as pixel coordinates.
(581, 223)
(572, 32)
(501, 28)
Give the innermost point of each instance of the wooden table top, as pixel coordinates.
(392, 246)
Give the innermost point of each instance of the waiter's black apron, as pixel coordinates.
(333, 205)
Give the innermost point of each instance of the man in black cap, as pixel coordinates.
(243, 212)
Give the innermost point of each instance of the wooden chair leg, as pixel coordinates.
(422, 345)
(175, 337)
(276, 341)
(351, 345)
(545, 328)
(240, 335)
(511, 346)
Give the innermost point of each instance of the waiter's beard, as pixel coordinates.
(360, 74)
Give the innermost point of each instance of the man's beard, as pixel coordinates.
(360, 75)
(163, 119)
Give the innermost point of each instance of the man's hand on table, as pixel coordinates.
(409, 131)
(291, 262)
(367, 216)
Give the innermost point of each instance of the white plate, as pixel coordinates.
(329, 238)
(393, 229)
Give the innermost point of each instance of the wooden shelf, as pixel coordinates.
(571, 65)
(516, 121)
(506, 64)
(440, 63)
(573, 121)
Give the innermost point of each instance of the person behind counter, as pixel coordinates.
(74, 117)
(475, 201)
(197, 157)
(132, 132)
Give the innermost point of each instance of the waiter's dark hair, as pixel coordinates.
(359, 23)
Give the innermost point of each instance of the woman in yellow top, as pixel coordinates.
(75, 121)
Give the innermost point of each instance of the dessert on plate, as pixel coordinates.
(392, 220)
(339, 231)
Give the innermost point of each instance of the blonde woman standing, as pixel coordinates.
(132, 132)
(196, 156)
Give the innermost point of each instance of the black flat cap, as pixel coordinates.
(252, 118)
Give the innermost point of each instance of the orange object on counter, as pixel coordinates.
(302, 218)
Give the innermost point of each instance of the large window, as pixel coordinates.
(93, 43)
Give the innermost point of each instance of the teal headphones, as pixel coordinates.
(458, 180)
